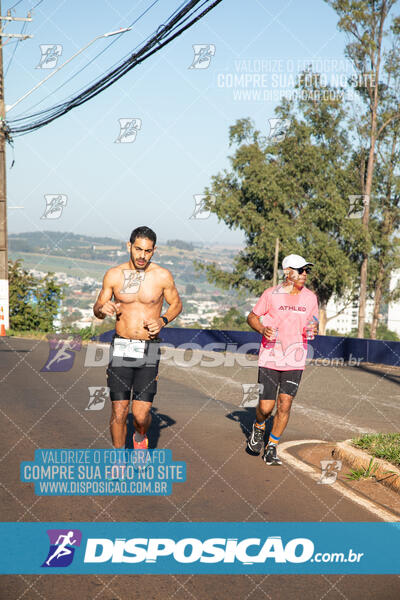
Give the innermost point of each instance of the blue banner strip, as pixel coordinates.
(199, 548)
(352, 351)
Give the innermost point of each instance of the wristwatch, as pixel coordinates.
(165, 320)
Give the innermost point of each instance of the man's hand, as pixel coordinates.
(268, 332)
(110, 308)
(154, 326)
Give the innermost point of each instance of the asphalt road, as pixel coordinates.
(197, 415)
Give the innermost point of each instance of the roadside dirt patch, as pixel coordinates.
(313, 454)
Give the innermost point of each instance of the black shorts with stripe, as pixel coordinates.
(287, 382)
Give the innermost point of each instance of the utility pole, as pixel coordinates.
(4, 301)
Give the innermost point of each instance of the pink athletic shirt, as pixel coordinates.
(289, 313)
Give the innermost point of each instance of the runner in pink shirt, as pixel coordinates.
(287, 316)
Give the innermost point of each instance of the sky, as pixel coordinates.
(183, 114)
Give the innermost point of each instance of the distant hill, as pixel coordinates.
(180, 244)
(35, 241)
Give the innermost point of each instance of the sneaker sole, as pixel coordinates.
(273, 464)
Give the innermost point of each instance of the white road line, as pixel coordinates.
(314, 473)
(335, 420)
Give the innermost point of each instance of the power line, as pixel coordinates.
(115, 39)
(22, 31)
(19, 2)
(40, 2)
(15, 50)
(14, 5)
(97, 55)
(173, 28)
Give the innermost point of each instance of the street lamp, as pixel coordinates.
(105, 35)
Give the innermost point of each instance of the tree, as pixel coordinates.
(180, 244)
(386, 255)
(232, 320)
(34, 302)
(296, 188)
(21, 287)
(48, 295)
(386, 245)
(383, 333)
(364, 22)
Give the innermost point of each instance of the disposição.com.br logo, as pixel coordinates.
(62, 547)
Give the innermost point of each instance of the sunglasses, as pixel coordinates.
(302, 270)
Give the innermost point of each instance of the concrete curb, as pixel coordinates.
(347, 492)
(386, 473)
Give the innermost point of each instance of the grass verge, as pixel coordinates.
(381, 445)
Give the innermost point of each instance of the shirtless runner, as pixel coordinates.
(134, 292)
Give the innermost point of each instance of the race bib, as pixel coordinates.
(129, 348)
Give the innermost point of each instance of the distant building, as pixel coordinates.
(393, 318)
(346, 319)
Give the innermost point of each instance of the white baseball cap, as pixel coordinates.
(295, 262)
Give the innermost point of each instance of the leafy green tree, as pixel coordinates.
(366, 24)
(385, 255)
(21, 294)
(296, 189)
(180, 244)
(232, 320)
(48, 296)
(382, 333)
(386, 245)
(34, 302)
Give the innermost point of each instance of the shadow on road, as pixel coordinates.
(159, 421)
(381, 372)
(245, 418)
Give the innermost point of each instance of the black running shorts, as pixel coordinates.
(137, 375)
(287, 382)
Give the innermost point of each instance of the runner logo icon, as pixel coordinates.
(50, 53)
(251, 393)
(62, 350)
(62, 547)
(55, 204)
(203, 54)
(330, 470)
(128, 129)
(97, 397)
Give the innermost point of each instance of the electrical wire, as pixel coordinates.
(182, 19)
(15, 49)
(116, 38)
(21, 32)
(37, 4)
(19, 2)
(14, 5)
(79, 71)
